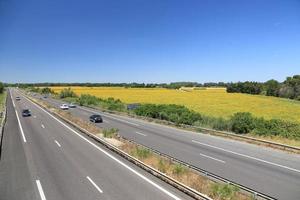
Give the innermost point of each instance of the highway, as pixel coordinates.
(272, 172)
(43, 158)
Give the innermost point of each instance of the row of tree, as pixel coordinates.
(173, 85)
(290, 88)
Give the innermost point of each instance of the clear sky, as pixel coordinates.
(148, 40)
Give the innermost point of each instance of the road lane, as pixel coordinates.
(270, 172)
(62, 171)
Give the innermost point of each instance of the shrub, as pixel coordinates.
(174, 113)
(87, 99)
(242, 122)
(46, 90)
(1, 87)
(178, 169)
(110, 133)
(162, 166)
(67, 93)
(224, 191)
(141, 153)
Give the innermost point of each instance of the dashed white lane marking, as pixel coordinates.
(40, 188)
(57, 143)
(106, 121)
(94, 184)
(110, 155)
(109, 116)
(34, 116)
(140, 133)
(222, 161)
(250, 157)
(42, 125)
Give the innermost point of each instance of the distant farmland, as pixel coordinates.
(213, 102)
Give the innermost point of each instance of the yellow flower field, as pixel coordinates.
(213, 102)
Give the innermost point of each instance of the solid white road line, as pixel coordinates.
(140, 133)
(34, 116)
(39, 186)
(42, 125)
(20, 126)
(109, 116)
(12, 100)
(109, 155)
(57, 143)
(222, 161)
(94, 184)
(250, 157)
(21, 129)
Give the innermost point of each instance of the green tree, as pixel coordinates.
(272, 87)
(1, 87)
(242, 122)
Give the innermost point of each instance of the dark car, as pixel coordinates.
(26, 113)
(96, 118)
(18, 98)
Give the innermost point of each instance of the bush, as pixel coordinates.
(277, 127)
(110, 133)
(224, 191)
(141, 153)
(242, 122)
(46, 90)
(1, 87)
(67, 93)
(178, 169)
(87, 99)
(174, 113)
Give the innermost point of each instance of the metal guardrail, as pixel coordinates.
(255, 194)
(191, 192)
(2, 125)
(187, 190)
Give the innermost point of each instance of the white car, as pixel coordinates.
(72, 105)
(64, 107)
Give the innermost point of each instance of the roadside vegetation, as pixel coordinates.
(213, 102)
(2, 98)
(183, 174)
(239, 122)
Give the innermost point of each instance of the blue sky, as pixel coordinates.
(149, 41)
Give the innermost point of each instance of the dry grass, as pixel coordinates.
(213, 102)
(278, 139)
(180, 173)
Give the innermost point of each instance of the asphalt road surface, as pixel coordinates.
(272, 172)
(43, 158)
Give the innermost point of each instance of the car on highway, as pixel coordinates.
(72, 105)
(26, 113)
(64, 107)
(96, 118)
(18, 98)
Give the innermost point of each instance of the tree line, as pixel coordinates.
(290, 88)
(172, 85)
